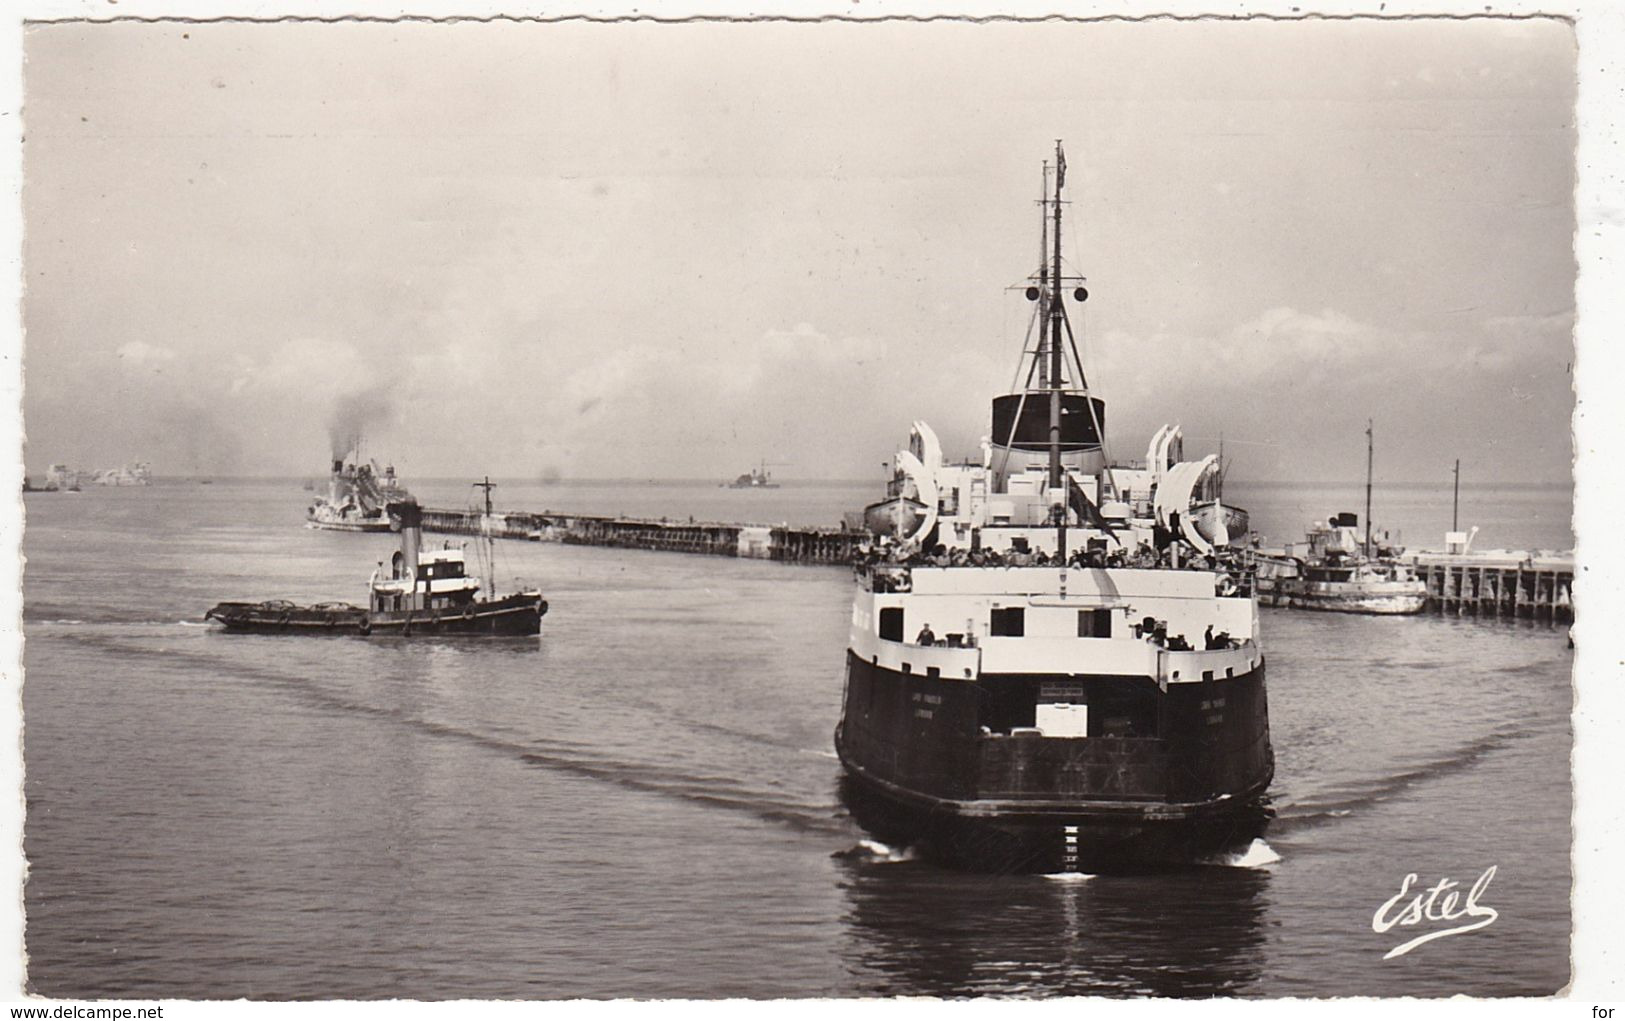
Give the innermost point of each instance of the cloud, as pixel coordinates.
(1302, 384)
(139, 352)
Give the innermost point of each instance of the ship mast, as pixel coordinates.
(1050, 358)
(1042, 357)
(1455, 502)
(1368, 463)
(1057, 316)
(489, 567)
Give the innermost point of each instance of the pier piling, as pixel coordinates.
(1522, 586)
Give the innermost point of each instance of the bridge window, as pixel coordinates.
(1010, 622)
(891, 623)
(1094, 623)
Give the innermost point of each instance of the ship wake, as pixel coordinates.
(1350, 800)
(876, 852)
(1256, 855)
(564, 756)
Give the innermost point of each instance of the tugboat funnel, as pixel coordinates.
(408, 518)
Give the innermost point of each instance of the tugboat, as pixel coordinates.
(1050, 667)
(358, 494)
(1340, 572)
(423, 593)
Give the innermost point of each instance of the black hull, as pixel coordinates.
(1100, 839)
(1035, 804)
(513, 616)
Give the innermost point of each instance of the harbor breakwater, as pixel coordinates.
(761, 542)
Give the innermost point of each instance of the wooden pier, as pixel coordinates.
(710, 538)
(1499, 583)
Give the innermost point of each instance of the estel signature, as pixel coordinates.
(1442, 902)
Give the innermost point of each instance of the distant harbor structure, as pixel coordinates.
(138, 474)
(60, 478)
(831, 546)
(1525, 585)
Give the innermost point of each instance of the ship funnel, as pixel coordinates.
(1021, 435)
(407, 518)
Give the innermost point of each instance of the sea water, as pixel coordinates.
(643, 801)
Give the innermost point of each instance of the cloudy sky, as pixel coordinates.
(542, 250)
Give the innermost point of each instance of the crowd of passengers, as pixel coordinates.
(1151, 629)
(1156, 631)
(1146, 556)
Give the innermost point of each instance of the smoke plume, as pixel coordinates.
(354, 414)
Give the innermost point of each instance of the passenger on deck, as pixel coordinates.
(1207, 639)
(926, 636)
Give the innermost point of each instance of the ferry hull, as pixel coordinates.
(1028, 803)
(349, 526)
(1006, 838)
(518, 615)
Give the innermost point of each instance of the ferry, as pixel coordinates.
(1050, 666)
(421, 593)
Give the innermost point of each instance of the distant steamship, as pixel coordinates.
(358, 494)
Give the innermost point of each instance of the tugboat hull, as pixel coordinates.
(518, 615)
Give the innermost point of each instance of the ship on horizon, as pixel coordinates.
(756, 478)
(1054, 661)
